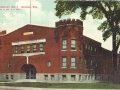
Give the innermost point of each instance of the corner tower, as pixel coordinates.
(69, 28)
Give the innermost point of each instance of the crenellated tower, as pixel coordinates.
(69, 28)
(69, 22)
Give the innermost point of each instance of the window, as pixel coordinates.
(91, 62)
(16, 49)
(22, 48)
(72, 77)
(64, 44)
(49, 64)
(80, 77)
(73, 44)
(64, 77)
(52, 77)
(46, 77)
(95, 50)
(11, 76)
(34, 47)
(96, 65)
(73, 61)
(41, 47)
(28, 48)
(86, 46)
(80, 62)
(9, 64)
(91, 48)
(7, 77)
(64, 62)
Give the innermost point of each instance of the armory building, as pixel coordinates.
(53, 54)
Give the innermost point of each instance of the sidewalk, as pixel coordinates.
(31, 88)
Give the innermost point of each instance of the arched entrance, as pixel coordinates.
(30, 71)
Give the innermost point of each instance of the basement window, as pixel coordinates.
(72, 77)
(46, 77)
(11, 76)
(7, 77)
(52, 77)
(64, 77)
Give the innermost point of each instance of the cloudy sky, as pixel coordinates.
(16, 13)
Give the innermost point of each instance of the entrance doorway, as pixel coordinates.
(30, 71)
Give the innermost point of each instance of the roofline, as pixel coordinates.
(29, 25)
(92, 39)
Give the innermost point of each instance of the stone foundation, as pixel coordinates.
(56, 77)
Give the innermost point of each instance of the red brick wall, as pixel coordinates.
(52, 48)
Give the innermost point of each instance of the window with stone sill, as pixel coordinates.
(41, 47)
(16, 49)
(73, 44)
(22, 48)
(34, 47)
(64, 61)
(28, 48)
(73, 62)
(64, 44)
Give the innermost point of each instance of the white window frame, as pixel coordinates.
(16, 49)
(73, 62)
(34, 47)
(22, 48)
(64, 44)
(28, 48)
(41, 47)
(73, 44)
(64, 62)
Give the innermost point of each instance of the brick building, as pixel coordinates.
(53, 54)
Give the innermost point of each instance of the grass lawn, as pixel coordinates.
(64, 85)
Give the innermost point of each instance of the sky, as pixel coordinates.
(16, 13)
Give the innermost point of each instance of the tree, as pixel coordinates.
(98, 9)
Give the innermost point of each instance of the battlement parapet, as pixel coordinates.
(2, 32)
(69, 22)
